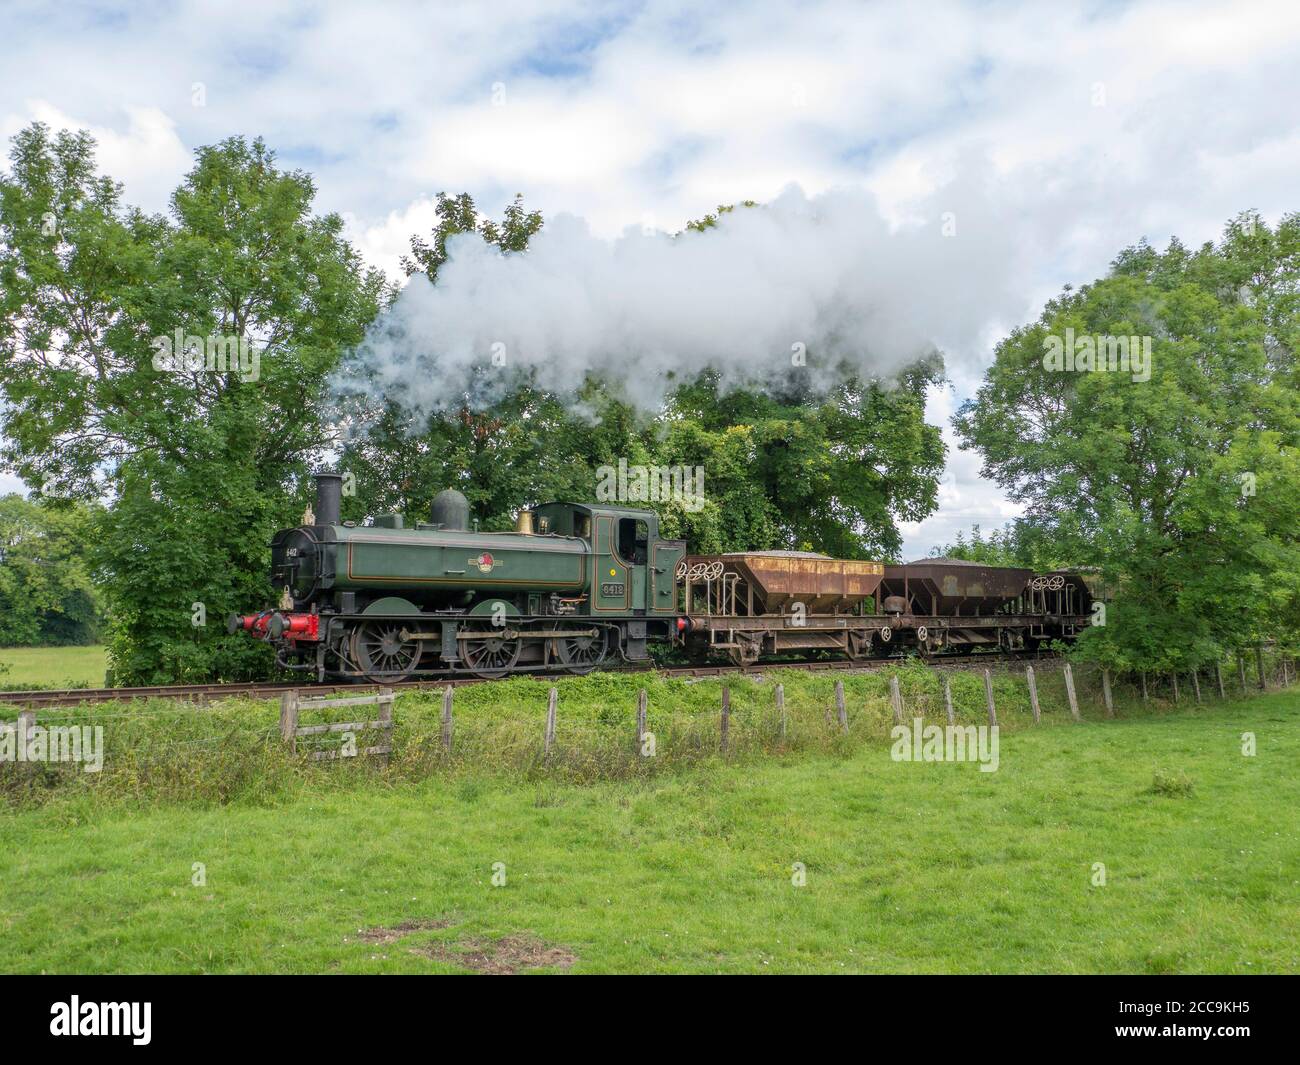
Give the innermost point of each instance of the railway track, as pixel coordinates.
(203, 693)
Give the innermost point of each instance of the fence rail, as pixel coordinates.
(292, 703)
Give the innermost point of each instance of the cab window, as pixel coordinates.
(633, 540)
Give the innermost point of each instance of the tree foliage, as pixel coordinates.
(47, 595)
(198, 466)
(1183, 488)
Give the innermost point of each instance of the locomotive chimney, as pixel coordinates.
(329, 492)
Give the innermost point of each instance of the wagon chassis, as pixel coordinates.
(744, 638)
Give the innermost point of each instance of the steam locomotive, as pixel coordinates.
(577, 585)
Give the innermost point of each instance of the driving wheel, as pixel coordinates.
(381, 652)
(583, 651)
(491, 651)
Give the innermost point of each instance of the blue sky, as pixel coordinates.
(1085, 126)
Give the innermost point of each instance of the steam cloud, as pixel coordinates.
(644, 311)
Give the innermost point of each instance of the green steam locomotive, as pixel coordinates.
(573, 586)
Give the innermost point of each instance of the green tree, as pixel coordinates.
(1183, 488)
(1017, 543)
(527, 448)
(458, 214)
(47, 596)
(199, 464)
(831, 473)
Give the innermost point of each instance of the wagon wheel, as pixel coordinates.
(492, 652)
(858, 644)
(581, 653)
(381, 652)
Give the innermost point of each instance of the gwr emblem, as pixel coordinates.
(484, 562)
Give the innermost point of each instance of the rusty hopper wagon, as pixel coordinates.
(954, 589)
(951, 587)
(758, 604)
(793, 600)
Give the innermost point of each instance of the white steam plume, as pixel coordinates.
(827, 272)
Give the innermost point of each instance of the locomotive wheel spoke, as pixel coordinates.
(490, 655)
(580, 653)
(382, 654)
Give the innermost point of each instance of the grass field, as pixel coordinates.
(910, 867)
(52, 667)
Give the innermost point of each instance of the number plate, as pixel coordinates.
(610, 588)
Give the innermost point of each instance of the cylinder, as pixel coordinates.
(450, 511)
(329, 494)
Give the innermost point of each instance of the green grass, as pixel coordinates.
(52, 667)
(911, 867)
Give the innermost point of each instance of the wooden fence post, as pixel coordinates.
(780, 707)
(1218, 678)
(1259, 666)
(1069, 691)
(1144, 685)
(988, 696)
(447, 696)
(1241, 672)
(840, 712)
(1174, 677)
(549, 740)
(1105, 693)
(289, 719)
(387, 698)
(1196, 683)
(896, 697)
(947, 701)
(726, 717)
(1033, 694)
(641, 702)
